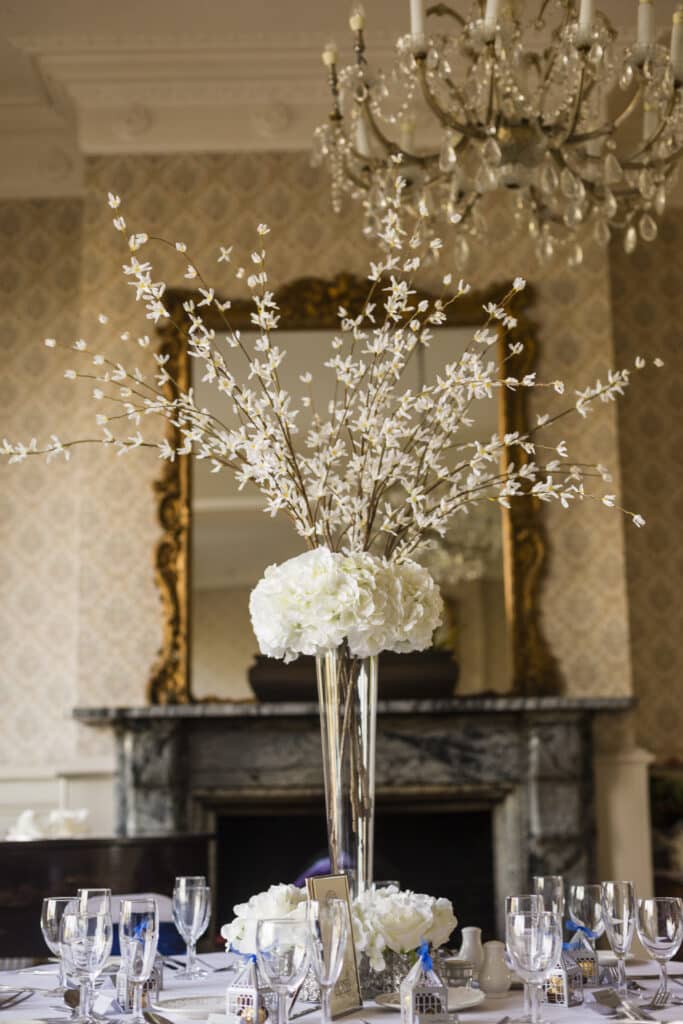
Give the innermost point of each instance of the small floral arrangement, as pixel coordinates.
(383, 919)
(318, 600)
(279, 901)
(399, 920)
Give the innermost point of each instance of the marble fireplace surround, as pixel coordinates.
(529, 760)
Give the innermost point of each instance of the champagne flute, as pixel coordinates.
(660, 929)
(282, 949)
(551, 888)
(85, 941)
(191, 912)
(527, 903)
(328, 931)
(139, 937)
(51, 913)
(618, 901)
(585, 911)
(534, 944)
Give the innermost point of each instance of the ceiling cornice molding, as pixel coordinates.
(162, 94)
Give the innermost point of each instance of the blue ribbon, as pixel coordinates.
(247, 957)
(572, 926)
(425, 958)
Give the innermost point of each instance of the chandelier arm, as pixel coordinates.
(436, 109)
(577, 107)
(656, 134)
(388, 145)
(444, 11)
(664, 161)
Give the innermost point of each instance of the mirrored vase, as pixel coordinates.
(347, 695)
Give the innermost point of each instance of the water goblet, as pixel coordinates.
(618, 901)
(527, 903)
(534, 943)
(51, 913)
(328, 931)
(85, 941)
(551, 888)
(94, 901)
(191, 912)
(585, 911)
(282, 949)
(139, 937)
(660, 929)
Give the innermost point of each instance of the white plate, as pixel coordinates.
(191, 1007)
(458, 999)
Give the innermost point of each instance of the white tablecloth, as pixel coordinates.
(40, 1007)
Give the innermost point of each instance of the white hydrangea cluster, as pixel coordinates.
(399, 920)
(382, 919)
(315, 602)
(279, 901)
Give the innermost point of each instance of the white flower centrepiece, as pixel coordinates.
(279, 901)
(383, 919)
(316, 601)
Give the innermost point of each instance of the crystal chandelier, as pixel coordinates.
(584, 129)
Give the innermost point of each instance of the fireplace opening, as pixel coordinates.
(441, 847)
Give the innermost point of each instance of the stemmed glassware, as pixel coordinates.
(191, 912)
(585, 910)
(94, 901)
(660, 929)
(551, 888)
(534, 944)
(618, 901)
(85, 939)
(51, 913)
(328, 931)
(282, 949)
(527, 903)
(139, 937)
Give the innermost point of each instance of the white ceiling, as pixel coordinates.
(89, 76)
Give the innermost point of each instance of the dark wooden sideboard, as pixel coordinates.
(58, 867)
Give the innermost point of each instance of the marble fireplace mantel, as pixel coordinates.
(528, 759)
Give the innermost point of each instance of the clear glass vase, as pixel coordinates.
(347, 694)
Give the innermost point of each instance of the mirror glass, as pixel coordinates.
(233, 541)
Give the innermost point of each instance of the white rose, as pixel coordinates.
(404, 921)
(277, 901)
(444, 921)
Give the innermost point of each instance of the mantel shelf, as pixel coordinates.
(494, 704)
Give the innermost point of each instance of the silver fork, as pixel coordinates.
(15, 1000)
(661, 999)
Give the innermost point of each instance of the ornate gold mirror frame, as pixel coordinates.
(312, 303)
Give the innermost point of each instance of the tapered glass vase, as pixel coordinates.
(347, 694)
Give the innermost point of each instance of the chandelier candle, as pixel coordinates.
(646, 23)
(417, 22)
(677, 46)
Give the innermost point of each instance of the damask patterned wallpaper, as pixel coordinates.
(104, 653)
(646, 310)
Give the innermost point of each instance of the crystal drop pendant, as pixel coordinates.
(647, 228)
(548, 248)
(567, 183)
(491, 152)
(548, 178)
(630, 240)
(646, 185)
(575, 258)
(613, 169)
(601, 232)
(573, 215)
(447, 157)
(610, 206)
(660, 200)
(626, 77)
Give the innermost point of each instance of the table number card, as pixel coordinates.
(346, 993)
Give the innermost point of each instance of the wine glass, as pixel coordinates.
(94, 901)
(328, 931)
(618, 901)
(660, 929)
(551, 888)
(51, 913)
(534, 945)
(139, 937)
(585, 911)
(191, 912)
(527, 903)
(85, 941)
(282, 949)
